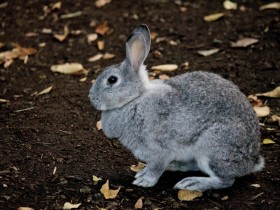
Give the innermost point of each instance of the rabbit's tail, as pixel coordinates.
(259, 165)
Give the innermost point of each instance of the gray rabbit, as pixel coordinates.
(193, 122)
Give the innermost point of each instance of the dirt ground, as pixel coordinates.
(49, 145)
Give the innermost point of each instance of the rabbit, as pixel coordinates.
(196, 121)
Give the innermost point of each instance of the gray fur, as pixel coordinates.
(195, 121)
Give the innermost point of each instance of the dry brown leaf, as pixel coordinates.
(139, 167)
(102, 29)
(213, 17)
(274, 5)
(275, 93)
(62, 37)
(91, 38)
(3, 101)
(229, 5)
(45, 91)
(25, 208)
(139, 203)
(68, 205)
(100, 45)
(165, 67)
(101, 3)
(163, 76)
(244, 42)
(268, 141)
(262, 111)
(99, 125)
(95, 58)
(208, 52)
(108, 56)
(69, 68)
(187, 195)
(109, 194)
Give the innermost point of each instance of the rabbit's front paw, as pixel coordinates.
(145, 178)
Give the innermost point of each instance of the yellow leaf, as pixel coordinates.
(45, 91)
(95, 58)
(213, 17)
(139, 203)
(262, 111)
(69, 68)
(208, 52)
(187, 195)
(274, 5)
(68, 205)
(137, 168)
(244, 42)
(268, 141)
(229, 5)
(165, 67)
(109, 194)
(96, 179)
(275, 93)
(99, 125)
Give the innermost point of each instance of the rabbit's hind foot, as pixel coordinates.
(203, 183)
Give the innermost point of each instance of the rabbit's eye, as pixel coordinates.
(112, 80)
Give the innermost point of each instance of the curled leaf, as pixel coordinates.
(187, 195)
(69, 68)
(274, 5)
(208, 52)
(268, 141)
(244, 42)
(139, 167)
(275, 93)
(62, 37)
(166, 67)
(107, 192)
(213, 17)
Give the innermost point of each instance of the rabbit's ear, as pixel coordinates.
(138, 46)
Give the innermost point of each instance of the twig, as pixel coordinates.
(23, 110)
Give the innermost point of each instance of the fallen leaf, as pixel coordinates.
(62, 37)
(273, 117)
(3, 101)
(45, 91)
(96, 179)
(213, 17)
(102, 29)
(101, 3)
(255, 101)
(244, 42)
(46, 31)
(69, 68)
(91, 38)
(25, 208)
(109, 194)
(255, 185)
(173, 43)
(56, 5)
(224, 198)
(139, 167)
(229, 5)
(157, 54)
(268, 141)
(262, 111)
(100, 44)
(31, 34)
(274, 5)
(208, 52)
(275, 93)
(139, 203)
(95, 57)
(108, 56)
(83, 79)
(187, 195)
(165, 67)
(99, 125)
(68, 205)
(163, 76)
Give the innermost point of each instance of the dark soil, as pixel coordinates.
(58, 130)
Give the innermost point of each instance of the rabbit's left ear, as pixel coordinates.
(138, 46)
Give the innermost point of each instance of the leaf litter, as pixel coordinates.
(139, 167)
(213, 17)
(187, 195)
(244, 42)
(165, 67)
(69, 68)
(268, 141)
(139, 203)
(107, 192)
(45, 91)
(206, 53)
(275, 93)
(68, 205)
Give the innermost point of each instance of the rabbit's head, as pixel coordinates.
(119, 84)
